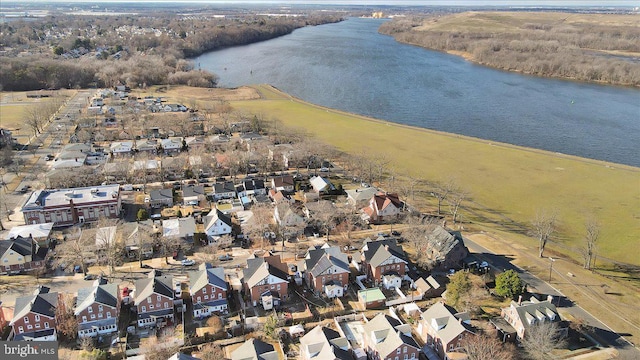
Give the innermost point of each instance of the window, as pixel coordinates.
(100, 308)
(93, 316)
(100, 315)
(109, 315)
(398, 351)
(204, 290)
(90, 309)
(273, 287)
(20, 329)
(413, 355)
(220, 294)
(46, 325)
(144, 309)
(37, 325)
(29, 327)
(159, 298)
(404, 350)
(84, 319)
(150, 306)
(166, 304)
(278, 286)
(149, 299)
(198, 299)
(26, 319)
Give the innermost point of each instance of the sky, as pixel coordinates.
(563, 3)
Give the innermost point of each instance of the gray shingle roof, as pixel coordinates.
(161, 194)
(255, 349)
(224, 187)
(319, 260)
(162, 285)
(42, 302)
(258, 269)
(103, 294)
(323, 343)
(192, 190)
(450, 323)
(24, 246)
(214, 276)
(388, 333)
(380, 250)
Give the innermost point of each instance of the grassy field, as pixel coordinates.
(13, 107)
(508, 184)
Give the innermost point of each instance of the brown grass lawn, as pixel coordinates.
(507, 183)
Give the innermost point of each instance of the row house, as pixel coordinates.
(324, 343)
(208, 291)
(34, 316)
(161, 198)
(384, 262)
(21, 254)
(443, 329)
(97, 309)
(387, 338)
(266, 278)
(251, 187)
(327, 271)
(255, 349)
(121, 148)
(193, 194)
(521, 316)
(72, 206)
(383, 208)
(154, 299)
(171, 145)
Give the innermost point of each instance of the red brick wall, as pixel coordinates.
(211, 290)
(256, 291)
(32, 321)
(94, 307)
(155, 302)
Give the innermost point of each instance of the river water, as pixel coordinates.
(349, 66)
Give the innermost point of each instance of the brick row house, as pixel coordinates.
(521, 316)
(154, 299)
(324, 343)
(21, 254)
(97, 309)
(387, 338)
(442, 329)
(327, 271)
(34, 316)
(208, 291)
(72, 206)
(266, 277)
(384, 258)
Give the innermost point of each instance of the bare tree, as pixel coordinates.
(211, 351)
(592, 228)
(109, 243)
(457, 197)
(155, 350)
(66, 321)
(544, 225)
(260, 222)
(442, 190)
(540, 340)
(74, 250)
(325, 216)
(486, 347)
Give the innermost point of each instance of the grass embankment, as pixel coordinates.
(507, 183)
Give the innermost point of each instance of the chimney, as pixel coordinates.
(550, 298)
(519, 300)
(460, 320)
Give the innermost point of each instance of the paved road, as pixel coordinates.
(601, 331)
(58, 132)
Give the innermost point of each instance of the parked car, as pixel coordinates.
(187, 262)
(90, 277)
(49, 157)
(225, 257)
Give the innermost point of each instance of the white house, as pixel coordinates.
(121, 148)
(391, 281)
(321, 184)
(218, 224)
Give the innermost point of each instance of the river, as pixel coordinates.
(349, 66)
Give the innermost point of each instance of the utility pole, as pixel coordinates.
(551, 260)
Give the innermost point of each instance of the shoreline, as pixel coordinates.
(608, 164)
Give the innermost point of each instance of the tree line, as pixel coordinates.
(64, 51)
(585, 51)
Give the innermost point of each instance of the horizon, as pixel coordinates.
(470, 3)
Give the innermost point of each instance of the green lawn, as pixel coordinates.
(503, 179)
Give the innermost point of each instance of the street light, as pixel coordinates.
(551, 260)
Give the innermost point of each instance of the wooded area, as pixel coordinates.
(65, 51)
(585, 47)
